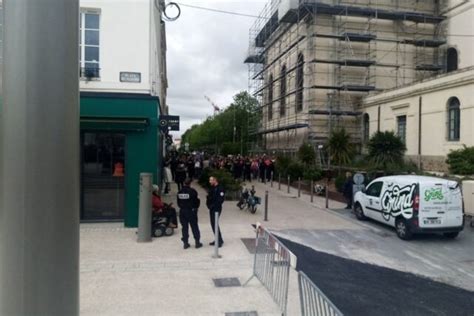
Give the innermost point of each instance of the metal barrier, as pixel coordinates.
(312, 300)
(272, 264)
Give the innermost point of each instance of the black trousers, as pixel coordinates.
(213, 224)
(189, 217)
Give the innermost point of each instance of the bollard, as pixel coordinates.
(216, 236)
(312, 191)
(288, 189)
(265, 218)
(299, 187)
(271, 180)
(144, 213)
(279, 182)
(327, 194)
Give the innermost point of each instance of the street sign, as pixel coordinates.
(169, 123)
(134, 77)
(358, 178)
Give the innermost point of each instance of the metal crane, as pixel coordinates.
(214, 105)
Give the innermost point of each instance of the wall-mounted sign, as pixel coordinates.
(135, 77)
(169, 122)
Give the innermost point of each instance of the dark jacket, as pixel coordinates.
(215, 198)
(188, 198)
(347, 188)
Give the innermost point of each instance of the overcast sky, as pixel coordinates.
(205, 55)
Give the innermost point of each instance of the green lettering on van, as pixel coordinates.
(434, 194)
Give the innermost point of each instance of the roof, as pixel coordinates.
(413, 178)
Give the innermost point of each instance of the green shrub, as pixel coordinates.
(339, 182)
(282, 164)
(461, 161)
(295, 170)
(386, 148)
(225, 179)
(312, 173)
(306, 154)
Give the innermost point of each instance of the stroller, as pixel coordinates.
(160, 224)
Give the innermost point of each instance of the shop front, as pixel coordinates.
(120, 139)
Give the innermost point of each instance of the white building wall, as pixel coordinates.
(128, 43)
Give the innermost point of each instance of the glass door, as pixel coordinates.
(102, 176)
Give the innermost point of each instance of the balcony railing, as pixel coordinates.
(90, 73)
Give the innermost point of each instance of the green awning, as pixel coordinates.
(114, 123)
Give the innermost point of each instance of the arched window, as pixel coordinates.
(299, 83)
(454, 119)
(270, 98)
(452, 59)
(283, 91)
(366, 127)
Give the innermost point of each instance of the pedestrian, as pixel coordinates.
(188, 203)
(167, 176)
(180, 174)
(347, 190)
(214, 202)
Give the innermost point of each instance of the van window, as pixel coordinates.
(374, 189)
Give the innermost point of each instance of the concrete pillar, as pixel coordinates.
(39, 159)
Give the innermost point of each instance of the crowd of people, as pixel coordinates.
(178, 168)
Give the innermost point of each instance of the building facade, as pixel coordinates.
(313, 62)
(123, 93)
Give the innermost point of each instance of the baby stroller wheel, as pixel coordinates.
(169, 231)
(159, 231)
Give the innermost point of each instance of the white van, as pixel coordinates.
(413, 204)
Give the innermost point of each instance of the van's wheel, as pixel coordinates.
(403, 231)
(451, 235)
(159, 231)
(359, 212)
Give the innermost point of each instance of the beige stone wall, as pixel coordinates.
(435, 95)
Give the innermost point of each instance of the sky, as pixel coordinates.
(205, 56)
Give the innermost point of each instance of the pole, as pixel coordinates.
(288, 187)
(144, 208)
(299, 187)
(279, 181)
(216, 236)
(266, 207)
(39, 159)
(312, 191)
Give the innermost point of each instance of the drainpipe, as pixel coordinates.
(39, 160)
(378, 119)
(420, 104)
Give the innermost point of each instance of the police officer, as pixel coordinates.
(188, 203)
(214, 202)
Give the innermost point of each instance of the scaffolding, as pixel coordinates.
(311, 62)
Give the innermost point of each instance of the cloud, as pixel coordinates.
(205, 56)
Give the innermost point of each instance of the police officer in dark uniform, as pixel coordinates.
(188, 203)
(214, 202)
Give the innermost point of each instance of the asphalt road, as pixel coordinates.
(364, 289)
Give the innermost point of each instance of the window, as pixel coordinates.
(454, 119)
(270, 98)
(402, 127)
(452, 60)
(283, 91)
(299, 83)
(366, 127)
(374, 189)
(90, 44)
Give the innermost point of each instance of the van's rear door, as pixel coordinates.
(433, 204)
(454, 215)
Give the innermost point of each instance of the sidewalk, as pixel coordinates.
(122, 277)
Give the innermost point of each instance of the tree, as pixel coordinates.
(340, 148)
(461, 161)
(386, 148)
(306, 154)
(219, 129)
